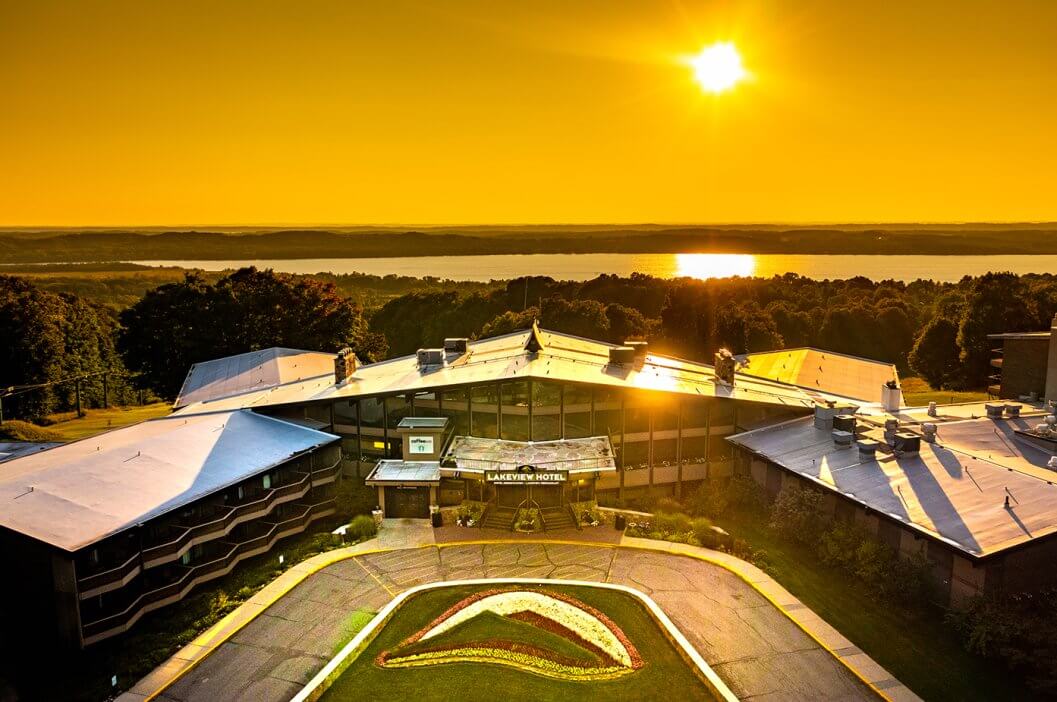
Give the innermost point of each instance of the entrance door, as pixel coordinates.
(510, 495)
(407, 502)
(547, 495)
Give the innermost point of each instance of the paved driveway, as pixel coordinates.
(754, 648)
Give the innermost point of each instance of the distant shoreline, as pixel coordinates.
(101, 246)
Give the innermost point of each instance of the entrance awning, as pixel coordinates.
(397, 472)
(470, 454)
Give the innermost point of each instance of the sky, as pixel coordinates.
(550, 111)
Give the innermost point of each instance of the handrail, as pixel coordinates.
(191, 576)
(236, 511)
(539, 511)
(96, 580)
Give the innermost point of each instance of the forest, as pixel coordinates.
(145, 332)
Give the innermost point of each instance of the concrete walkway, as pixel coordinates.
(762, 642)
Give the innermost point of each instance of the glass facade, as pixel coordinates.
(650, 431)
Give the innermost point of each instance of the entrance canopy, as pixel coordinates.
(470, 454)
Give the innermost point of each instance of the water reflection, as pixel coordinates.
(706, 265)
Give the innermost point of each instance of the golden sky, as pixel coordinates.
(489, 111)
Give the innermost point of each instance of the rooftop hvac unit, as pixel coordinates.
(842, 438)
(928, 432)
(867, 449)
(994, 411)
(641, 347)
(430, 357)
(906, 442)
(622, 354)
(456, 344)
(1012, 410)
(824, 415)
(844, 422)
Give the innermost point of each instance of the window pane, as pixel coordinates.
(608, 416)
(426, 405)
(455, 403)
(485, 403)
(515, 411)
(546, 411)
(345, 416)
(372, 413)
(577, 412)
(637, 407)
(397, 408)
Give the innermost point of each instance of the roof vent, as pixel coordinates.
(641, 347)
(932, 409)
(621, 354)
(842, 438)
(891, 396)
(344, 365)
(1012, 410)
(994, 411)
(844, 422)
(456, 345)
(430, 357)
(824, 416)
(867, 449)
(907, 442)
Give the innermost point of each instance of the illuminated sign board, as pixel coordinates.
(526, 475)
(420, 444)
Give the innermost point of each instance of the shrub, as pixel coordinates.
(798, 515)
(703, 532)
(666, 523)
(17, 430)
(668, 504)
(353, 497)
(718, 497)
(361, 527)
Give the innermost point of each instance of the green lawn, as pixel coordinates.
(665, 675)
(69, 427)
(918, 393)
(916, 647)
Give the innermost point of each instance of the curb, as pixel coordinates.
(869, 672)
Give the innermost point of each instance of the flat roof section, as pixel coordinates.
(422, 423)
(562, 358)
(954, 490)
(474, 454)
(79, 493)
(836, 373)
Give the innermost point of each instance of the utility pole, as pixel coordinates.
(106, 393)
(78, 393)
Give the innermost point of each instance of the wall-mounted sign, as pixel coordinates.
(420, 444)
(526, 474)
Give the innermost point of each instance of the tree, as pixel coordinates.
(935, 356)
(177, 325)
(49, 338)
(996, 302)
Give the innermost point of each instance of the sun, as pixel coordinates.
(718, 67)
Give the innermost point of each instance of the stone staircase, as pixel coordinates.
(558, 518)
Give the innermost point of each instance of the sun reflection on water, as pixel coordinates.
(707, 265)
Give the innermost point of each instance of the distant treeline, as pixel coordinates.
(92, 246)
(936, 330)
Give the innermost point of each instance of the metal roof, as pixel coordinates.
(404, 472)
(422, 423)
(255, 370)
(953, 490)
(474, 454)
(563, 358)
(848, 376)
(78, 493)
(16, 449)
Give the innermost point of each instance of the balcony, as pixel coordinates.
(192, 576)
(217, 527)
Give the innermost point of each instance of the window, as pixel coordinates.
(637, 410)
(372, 412)
(608, 413)
(577, 412)
(186, 558)
(485, 407)
(266, 481)
(515, 407)
(546, 411)
(397, 408)
(426, 405)
(345, 414)
(456, 407)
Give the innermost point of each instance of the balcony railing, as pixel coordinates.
(197, 574)
(112, 579)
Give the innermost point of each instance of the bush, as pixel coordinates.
(361, 528)
(17, 430)
(718, 497)
(353, 497)
(667, 523)
(703, 532)
(668, 504)
(798, 515)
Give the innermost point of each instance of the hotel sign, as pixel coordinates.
(526, 475)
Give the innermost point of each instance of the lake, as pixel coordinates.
(696, 265)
